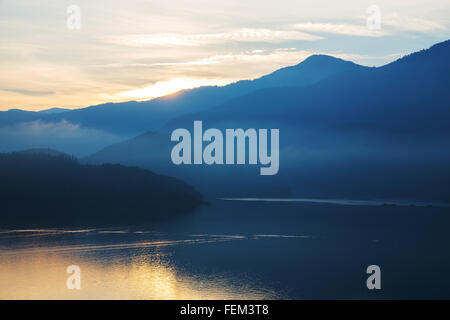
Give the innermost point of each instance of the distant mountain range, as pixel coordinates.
(345, 130)
(53, 111)
(353, 132)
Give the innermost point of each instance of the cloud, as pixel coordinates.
(260, 35)
(287, 55)
(240, 35)
(390, 23)
(342, 29)
(29, 92)
(414, 24)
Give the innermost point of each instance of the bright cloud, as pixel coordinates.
(416, 24)
(162, 88)
(390, 23)
(242, 35)
(343, 29)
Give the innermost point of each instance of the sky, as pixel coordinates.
(72, 54)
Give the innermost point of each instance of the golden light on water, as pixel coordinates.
(112, 272)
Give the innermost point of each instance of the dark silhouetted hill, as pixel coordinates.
(43, 189)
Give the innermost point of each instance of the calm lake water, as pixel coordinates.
(239, 250)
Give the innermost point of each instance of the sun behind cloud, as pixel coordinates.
(163, 88)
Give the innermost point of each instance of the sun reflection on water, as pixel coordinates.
(139, 270)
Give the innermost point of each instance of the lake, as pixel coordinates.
(240, 250)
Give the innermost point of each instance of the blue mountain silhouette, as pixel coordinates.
(364, 132)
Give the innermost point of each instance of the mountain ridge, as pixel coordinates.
(363, 125)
